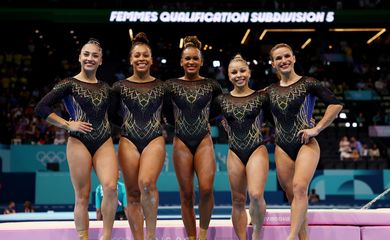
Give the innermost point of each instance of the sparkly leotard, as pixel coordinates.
(292, 107)
(191, 102)
(87, 102)
(244, 116)
(140, 109)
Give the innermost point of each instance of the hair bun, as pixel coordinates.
(192, 41)
(238, 57)
(140, 38)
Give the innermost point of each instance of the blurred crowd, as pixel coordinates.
(353, 149)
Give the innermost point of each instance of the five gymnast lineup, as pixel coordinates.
(142, 105)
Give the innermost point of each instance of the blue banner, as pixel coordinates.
(32, 158)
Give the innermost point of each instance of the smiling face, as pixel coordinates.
(191, 61)
(239, 74)
(90, 57)
(283, 60)
(141, 58)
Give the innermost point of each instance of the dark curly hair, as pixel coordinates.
(140, 38)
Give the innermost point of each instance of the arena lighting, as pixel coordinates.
(347, 124)
(376, 36)
(354, 124)
(245, 36)
(255, 61)
(285, 30)
(163, 61)
(343, 115)
(216, 63)
(131, 33)
(379, 30)
(306, 43)
(181, 43)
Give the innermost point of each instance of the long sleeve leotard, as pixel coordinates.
(292, 108)
(191, 102)
(140, 110)
(244, 117)
(87, 102)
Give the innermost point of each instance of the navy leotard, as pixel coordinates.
(87, 102)
(244, 117)
(140, 110)
(191, 102)
(292, 108)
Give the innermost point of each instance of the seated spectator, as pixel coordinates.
(374, 152)
(381, 87)
(60, 136)
(356, 144)
(17, 139)
(345, 148)
(314, 197)
(365, 150)
(11, 208)
(355, 155)
(28, 207)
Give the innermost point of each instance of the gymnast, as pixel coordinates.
(141, 147)
(297, 151)
(87, 101)
(247, 162)
(193, 153)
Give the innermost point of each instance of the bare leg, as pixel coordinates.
(183, 163)
(80, 166)
(305, 167)
(152, 160)
(106, 168)
(295, 178)
(257, 172)
(238, 186)
(205, 170)
(130, 164)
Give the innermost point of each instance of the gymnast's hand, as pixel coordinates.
(306, 134)
(79, 126)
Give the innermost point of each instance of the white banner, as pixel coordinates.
(221, 17)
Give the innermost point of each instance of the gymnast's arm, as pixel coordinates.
(333, 109)
(44, 109)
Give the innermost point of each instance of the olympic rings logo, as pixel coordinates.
(50, 157)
